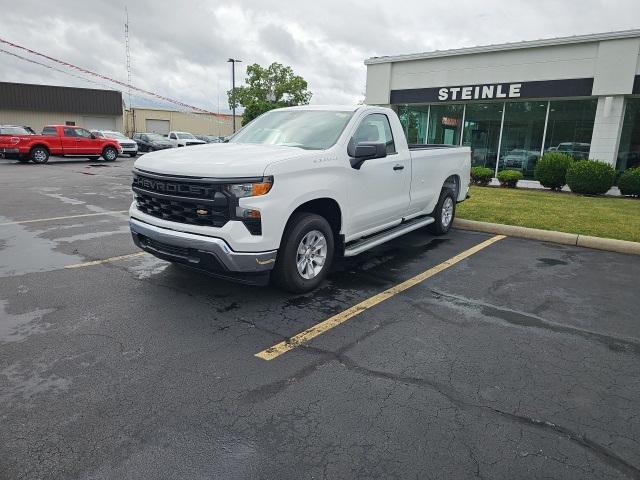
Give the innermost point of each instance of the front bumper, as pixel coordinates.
(128, 149)
(209, 254)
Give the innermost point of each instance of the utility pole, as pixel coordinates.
(132, 119)
(233, 88)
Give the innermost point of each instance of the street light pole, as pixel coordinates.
(233, 88)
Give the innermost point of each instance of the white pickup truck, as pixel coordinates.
(184, 139)
(292, 190)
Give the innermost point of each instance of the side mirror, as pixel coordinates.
(362, 151)
(93, 136)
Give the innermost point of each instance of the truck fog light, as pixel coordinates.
(247, 213)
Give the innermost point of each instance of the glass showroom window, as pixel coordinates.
(445, 124)
(414, 120)
(570, 126)
(482, 132)
(629, 150)
(522, 136)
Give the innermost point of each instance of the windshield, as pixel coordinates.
(14, 131)
(185, 136)
(308, 129)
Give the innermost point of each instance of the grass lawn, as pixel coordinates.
(565, 212)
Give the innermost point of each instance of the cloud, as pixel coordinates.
(180, 50)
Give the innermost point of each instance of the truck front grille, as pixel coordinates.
(182, 201)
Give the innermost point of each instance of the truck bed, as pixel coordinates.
(430, 146)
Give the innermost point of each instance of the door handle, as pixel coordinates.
(398, 167)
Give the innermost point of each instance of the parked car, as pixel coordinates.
(61, 140)
(129, 147)
(293, 189)
(520, 159)
(208, 138)
(579, 151)
(15, 130)
(149, 142)
(184, 139)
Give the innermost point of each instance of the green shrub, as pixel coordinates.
(481, 175)
(590, 177)
(551, 170)
(509, 178)
(629, 182)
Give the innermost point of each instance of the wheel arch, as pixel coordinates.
(453, 182)
(36, 145)
(326, 207)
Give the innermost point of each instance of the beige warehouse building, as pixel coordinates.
(40, 105)
(164, 121)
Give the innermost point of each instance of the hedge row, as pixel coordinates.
(555, 170)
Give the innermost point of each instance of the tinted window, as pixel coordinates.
(172, 136)
(70, 132)
(375, 128)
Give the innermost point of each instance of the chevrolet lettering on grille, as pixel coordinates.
(161, 186)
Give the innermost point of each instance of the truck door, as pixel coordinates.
(86, 144)
(69, 141)
(379, 190)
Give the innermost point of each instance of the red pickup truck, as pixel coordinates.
(60, 140)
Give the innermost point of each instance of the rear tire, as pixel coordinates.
(110, 154)
(306, 253)
(39, 155)
(444, 213)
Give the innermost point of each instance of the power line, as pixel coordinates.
(104, 77)
(100, 84)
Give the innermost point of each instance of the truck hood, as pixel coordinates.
(217, 160)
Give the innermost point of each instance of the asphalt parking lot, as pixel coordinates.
(519, 361)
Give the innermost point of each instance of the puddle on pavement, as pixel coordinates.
(551, 262)
(16, 327)
(147, 266)
(24, 251)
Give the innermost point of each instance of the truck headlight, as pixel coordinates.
(251, 189)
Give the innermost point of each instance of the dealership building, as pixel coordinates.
(512, 102)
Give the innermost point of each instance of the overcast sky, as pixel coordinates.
(179, 49)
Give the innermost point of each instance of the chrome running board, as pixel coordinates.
(380, 238)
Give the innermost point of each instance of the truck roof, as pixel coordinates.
(336, 108)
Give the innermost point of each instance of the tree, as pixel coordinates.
(267, 88)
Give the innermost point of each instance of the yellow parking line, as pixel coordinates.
(105, 260)
(62, 218)
(303, 337)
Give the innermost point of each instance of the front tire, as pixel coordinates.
(39, 155)
(444, 213)
(110, 154)
(306, 253)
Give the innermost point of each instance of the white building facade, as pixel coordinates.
(512, 102)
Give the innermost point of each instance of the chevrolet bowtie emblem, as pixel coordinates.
(200, 211)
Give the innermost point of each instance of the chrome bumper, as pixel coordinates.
(198, 251)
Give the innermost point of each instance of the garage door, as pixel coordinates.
(99, 123)
(157, 126)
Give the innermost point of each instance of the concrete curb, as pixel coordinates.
(608, 244)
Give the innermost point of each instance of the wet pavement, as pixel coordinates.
(521, 361)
